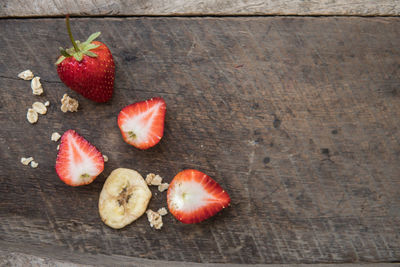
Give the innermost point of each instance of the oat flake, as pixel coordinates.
(36, 86)
(27, 75)
(39, 108)
(162, 187)
(32, 116)
(55, 136)
(26, 161)
(34, 164)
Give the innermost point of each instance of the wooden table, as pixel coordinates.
(298, 118)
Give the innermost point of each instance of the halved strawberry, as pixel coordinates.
(142, 123)
(194, 196)
(78, 161)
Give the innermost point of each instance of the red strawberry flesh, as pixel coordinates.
(142, 123)
(78, 162)
(194, 196)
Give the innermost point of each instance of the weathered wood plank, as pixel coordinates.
(11, 8)
(22, 259)
(298, 118)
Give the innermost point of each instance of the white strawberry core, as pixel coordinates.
(140, 125)
(189, 196)
(87, 165)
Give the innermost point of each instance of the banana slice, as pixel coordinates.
(124, 198)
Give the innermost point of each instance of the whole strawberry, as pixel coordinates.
(87, 68)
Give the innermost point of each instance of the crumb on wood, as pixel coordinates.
(55, 136)
(162, 211)
(34, 164)
(154, 219)
(153, 179)
(26, 161)
(162, 187)
(27, 75)
(69, 104)
(39, 107)
(32, 116)
(36, 86)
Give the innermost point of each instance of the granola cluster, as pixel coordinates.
(155, 179)
(69, 104)
(155, 218)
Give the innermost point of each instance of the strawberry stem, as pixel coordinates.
(70, 34)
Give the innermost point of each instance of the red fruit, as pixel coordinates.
(78, 161)
(87, 68)
(142, 123)
(194, 196)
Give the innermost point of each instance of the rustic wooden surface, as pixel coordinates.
(22, 260)
(297, 118)
(11, 8)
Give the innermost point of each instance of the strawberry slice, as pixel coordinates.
(142, 123)
(78, 161)
(194, 196)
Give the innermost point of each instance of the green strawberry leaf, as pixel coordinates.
(79, 49)
(90, 54)
(78, 56)
(92, 37)
(64, 53)
(59, 60)
(90, 46)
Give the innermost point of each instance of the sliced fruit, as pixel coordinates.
(124, 198)
(142, 123)
(194, 196)
(78, 161)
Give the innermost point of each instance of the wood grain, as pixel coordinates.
(11, 8)
(22, 259)
(297, 118)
